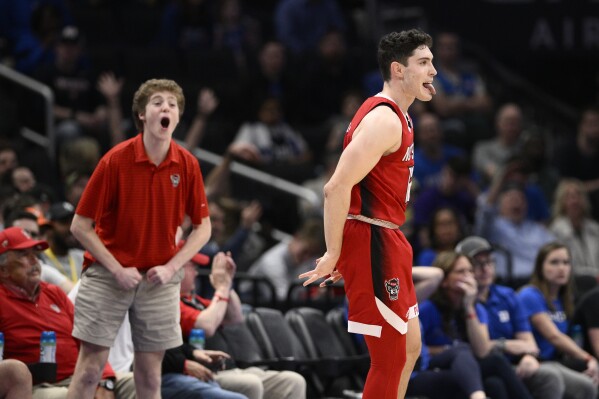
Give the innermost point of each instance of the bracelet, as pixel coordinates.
(221, 298)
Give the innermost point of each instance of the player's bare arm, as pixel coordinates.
(378, 134)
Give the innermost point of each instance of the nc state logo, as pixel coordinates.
(175, 180)
(392, 287)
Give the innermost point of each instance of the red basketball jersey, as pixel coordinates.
(385, 190)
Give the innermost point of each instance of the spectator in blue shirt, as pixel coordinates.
(508, 325)
(300, 24)
(431, 153)
(548, 302)
(453, 318)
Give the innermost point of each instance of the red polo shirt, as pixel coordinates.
(22, 322)
(137, 206)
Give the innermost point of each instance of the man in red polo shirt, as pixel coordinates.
(30, 306)
(127, 220)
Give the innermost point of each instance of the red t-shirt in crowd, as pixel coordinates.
(137, 206)
(190, 312)
(22, 322)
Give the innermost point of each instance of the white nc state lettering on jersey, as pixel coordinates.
(409, 153)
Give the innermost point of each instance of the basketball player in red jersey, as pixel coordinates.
(365, 204)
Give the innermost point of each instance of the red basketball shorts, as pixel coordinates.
(376, 264)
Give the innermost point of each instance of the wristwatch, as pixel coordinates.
(500, 344)
(107, 384)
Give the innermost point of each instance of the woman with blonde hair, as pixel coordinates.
(572, 225)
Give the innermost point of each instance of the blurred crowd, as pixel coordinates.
(273, 85)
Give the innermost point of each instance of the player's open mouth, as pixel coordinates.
(430, 88)
(164, 122)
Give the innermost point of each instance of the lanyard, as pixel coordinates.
(60, 267)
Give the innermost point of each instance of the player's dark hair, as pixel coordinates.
(399, 46)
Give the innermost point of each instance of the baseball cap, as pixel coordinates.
(14, 238)
(61, 211)
(199, 258)
(473, 245)
(41, 219)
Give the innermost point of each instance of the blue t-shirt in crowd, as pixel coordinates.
(506, 314)
(432, 324)
(428, 171)
(534, 303)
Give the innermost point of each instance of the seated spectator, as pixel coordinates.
(586, 315)
(232, 231)
(209, 315)
(452, 317)
(271, 142)
(579, 158)
(490, 155)
(31, 28)
(28, 223)
(502, 219)
(508, 326)
(516, 171)
(235, 31)
(462, 100)
(455, 189)
(22, 325)
(455, 372)
(444, 231)
(272, 76)
(337, 123)
(300, 24)
(331, 66)
(431, 153)
(79, 155)
(22, 179)
(8, 158)
(15, 380)
(282, 263)
(540, 172)
(573, 226)
(79, 108)
(549, 305)
(63, 253)
(187, 25)
(75, 183)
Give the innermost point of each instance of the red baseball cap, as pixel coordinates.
(199, 258)
(14, 238)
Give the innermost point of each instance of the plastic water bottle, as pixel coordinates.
(577, 335)
(1, 345)
(197, 339)
(48, 347)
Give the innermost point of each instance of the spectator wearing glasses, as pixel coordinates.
(508, 325)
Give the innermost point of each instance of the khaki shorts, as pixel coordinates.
(153, 309)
